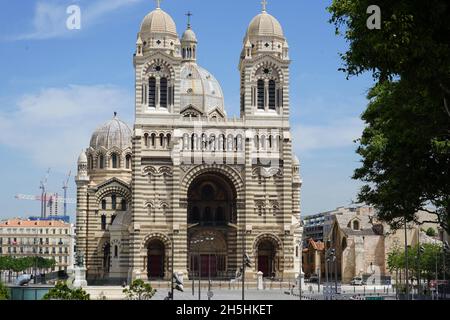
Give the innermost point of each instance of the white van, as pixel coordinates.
(357, 281)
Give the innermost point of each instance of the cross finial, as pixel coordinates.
(189, 15)
(264, 5)
(158, 4)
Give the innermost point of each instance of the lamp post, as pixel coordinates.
(300, 250)
(406, 261)
(437, 286)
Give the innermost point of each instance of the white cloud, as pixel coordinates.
(336, 134)
(50, 17)
(54, 125)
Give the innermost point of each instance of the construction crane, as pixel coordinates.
(65, 187)
(43, 186)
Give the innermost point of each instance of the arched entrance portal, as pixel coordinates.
(211, 201)
(155, 259)
(266, 258)
(211, 238)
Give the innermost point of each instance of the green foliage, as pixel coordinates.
(139, 290)
(62, 292)
(4, 292)
(8, 263)
(426, 265)
(431, 232)
(405, 147)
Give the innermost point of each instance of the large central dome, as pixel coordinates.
(200, 90)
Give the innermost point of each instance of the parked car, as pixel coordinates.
(357, 281)
(314, 278)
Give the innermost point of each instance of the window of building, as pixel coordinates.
(116, 251)
(124, 205)
(101, 162)
(128, 161)
(114, 161)
(103, 222)
(356, 225)
(272, 95)
(103, 204)
(152, 92)
(261, 94)
(114, 202)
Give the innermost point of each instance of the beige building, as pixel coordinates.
(188, 185)
(47, 239)
(363, 244)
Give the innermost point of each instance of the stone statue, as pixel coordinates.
(79, 259)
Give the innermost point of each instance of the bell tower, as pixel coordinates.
(264, 69)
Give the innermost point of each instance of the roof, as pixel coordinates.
(114, 133)
(317, 245)
(158, 21)
(28, 223)
(265, 24)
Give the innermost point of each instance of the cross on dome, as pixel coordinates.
(189, 15)
(264, 5)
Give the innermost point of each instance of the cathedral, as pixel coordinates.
(187, 189)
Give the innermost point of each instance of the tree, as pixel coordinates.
(139, 290)
(431, 232)
(405, 147)
(62, 292)
(4, 292)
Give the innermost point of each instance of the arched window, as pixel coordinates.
(161, 139)
(103, 204)
(152, 92)
(163, 93)
(103, 222)
(146, 140)
(101, 162)
(114, 202)
(91, 162)
(128, 161)
(272, 95)
(153, 140)
(261, 95)
(114, 161)
(116, 251)
(356, 225)
(123, 205)
(168, 140)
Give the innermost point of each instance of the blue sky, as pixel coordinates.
(58, 85)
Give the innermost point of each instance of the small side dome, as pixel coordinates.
(265, 25)
(114, 133)
(82, 158)
(189, 36)
(158, 22)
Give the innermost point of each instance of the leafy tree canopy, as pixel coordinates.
(405, 147)
(139, 290)
(62, 292)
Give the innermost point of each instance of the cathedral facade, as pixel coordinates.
(189, 190)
